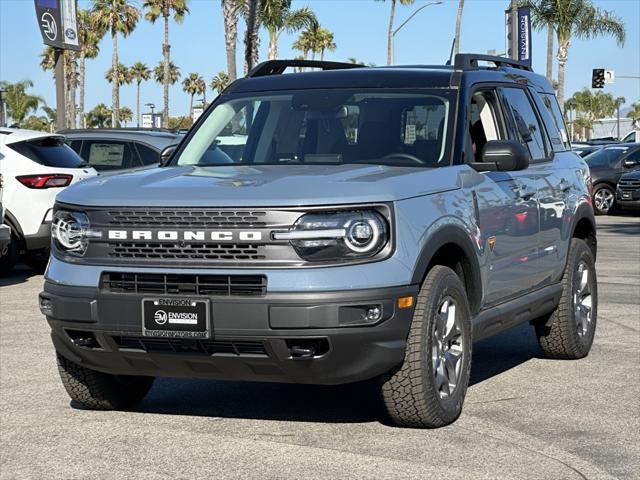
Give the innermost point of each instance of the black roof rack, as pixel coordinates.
(467, 61)
(117, 129)
(276, 67)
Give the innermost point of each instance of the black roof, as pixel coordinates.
(466, 70)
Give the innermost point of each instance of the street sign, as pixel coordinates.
(597, 78)
(151, 120)
(609, 76)
(197, 111)
(58, 23)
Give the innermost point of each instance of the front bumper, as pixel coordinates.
(253, 337)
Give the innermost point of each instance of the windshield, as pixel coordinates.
(325, 127)
(606, 157)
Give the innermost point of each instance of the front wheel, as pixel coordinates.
(101, 391)
(428, 390)
(568, 332)
(603, 199)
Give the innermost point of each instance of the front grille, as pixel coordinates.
(187, 218)
(629, 184)
(186, 251)
(158, 283)
(190, 346)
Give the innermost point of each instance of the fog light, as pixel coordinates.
(46, 306)
(373, 314)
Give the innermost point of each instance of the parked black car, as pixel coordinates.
(113, 150)
(628, 192)
(583, 149)
(607, 166)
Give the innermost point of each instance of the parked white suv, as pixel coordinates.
(35, 167)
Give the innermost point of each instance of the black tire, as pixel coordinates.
(606, 192)
(9, 257)
(101, 391)
(36, 260)
(561, 335)
(411, 395)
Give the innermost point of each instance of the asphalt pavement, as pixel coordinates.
(524, 416)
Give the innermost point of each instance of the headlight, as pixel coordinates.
(338, 235)
(71, 232)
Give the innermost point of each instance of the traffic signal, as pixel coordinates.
(597, 78)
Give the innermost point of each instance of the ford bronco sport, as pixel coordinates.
(364, 223)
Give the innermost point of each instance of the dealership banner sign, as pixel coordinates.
(58, 23)
(524, 35)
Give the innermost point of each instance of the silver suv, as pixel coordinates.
(328, 227)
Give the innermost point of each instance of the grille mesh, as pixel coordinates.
(187, 218)
(158, 283)
(190, 346)
(628, 184)
(196, 251)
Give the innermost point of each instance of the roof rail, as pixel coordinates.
(466, 61)
(276, 67)
(117, 129)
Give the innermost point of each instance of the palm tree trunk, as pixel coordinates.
(115, 85)
(230, 12)
(456, 47)
(138, 104)
(563, 50)
(321, 54)
(191, 106)
(549, 52)
(81, 80)
(165, 52)
(251, 35)
(390, 33)
(273, 45)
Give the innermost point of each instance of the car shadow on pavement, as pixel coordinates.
(353, 403)
(20, 274)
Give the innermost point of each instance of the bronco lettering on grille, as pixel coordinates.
(186, 235)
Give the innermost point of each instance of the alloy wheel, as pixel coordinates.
(447, 349)
(582, 299)
(604, 199)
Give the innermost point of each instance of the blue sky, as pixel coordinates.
(359, 27)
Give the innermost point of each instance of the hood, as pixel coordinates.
(267, 185)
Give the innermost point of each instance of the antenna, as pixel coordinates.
(453, 44)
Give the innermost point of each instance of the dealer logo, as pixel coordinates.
(160, 317)
(49, 26)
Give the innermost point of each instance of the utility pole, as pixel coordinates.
(2, 117)
(514, 29)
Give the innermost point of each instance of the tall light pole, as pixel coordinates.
(393, 35)
(2, 120)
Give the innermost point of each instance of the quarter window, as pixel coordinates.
(527, 126)
(551, 104)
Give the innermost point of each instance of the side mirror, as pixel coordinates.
(503, 156)
(167, 153)
(631, 163)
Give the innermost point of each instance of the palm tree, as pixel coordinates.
(305, 44)
(192, 85)
(122, 75)
(139, 73)
(18, 102)
(392, 13)
(277, 17)
(634, 114)
(100, 116)
(220, 82)
(325, 41)
(156, 9)
(456, 43)
(48, 62)
(574, 18)
(591, 106)
(230, 14)
(174, 73)
(126, 115)
(89, 36)
(116, 16)
(251, 10)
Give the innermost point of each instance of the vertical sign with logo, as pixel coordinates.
(524, 36)
(58, 23)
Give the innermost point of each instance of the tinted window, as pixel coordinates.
(633, 157)
(607, 157)
(50, 152)
(325, 127)
(108, 155)
(527, 125)
(551, 104)
(148, 155)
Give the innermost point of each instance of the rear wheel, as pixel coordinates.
(428, 390)
(9, 257)
(101, 391)
(568, 333)
(603, 199)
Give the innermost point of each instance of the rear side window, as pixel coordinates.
(49, 152)
(551, 104)
(148, 155)
(108, 155)
(526, 122)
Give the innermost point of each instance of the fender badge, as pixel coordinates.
(491, 241)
